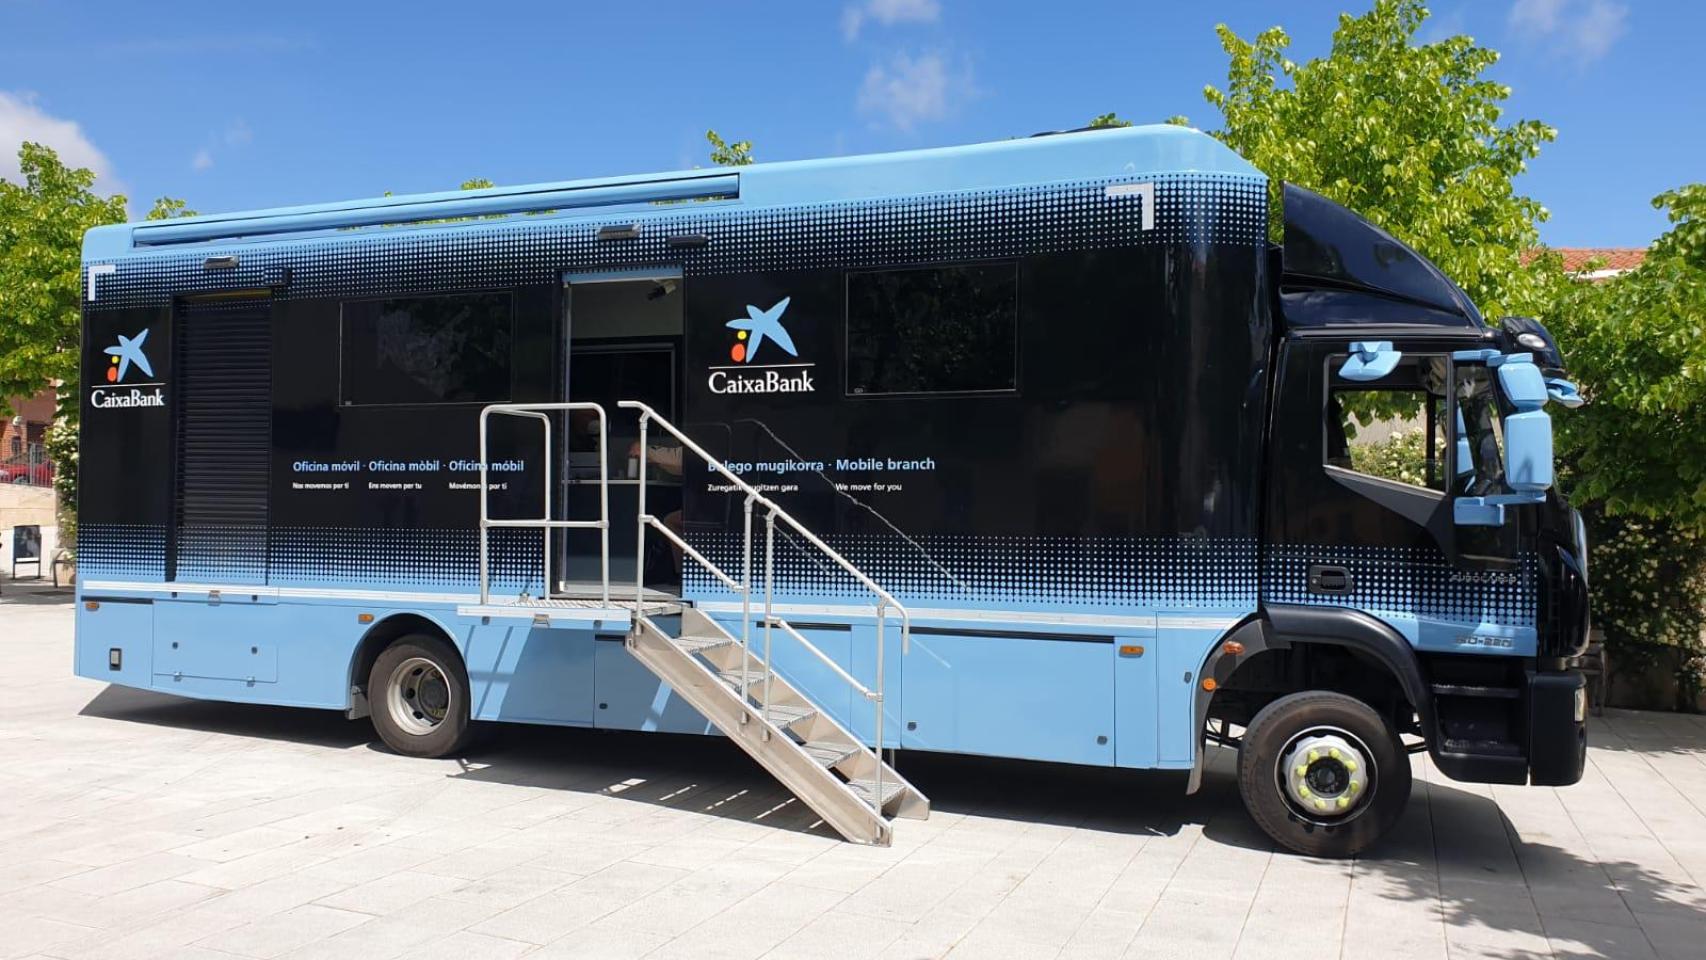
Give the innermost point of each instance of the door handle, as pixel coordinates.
(1331, 580)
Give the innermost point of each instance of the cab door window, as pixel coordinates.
(1392, 429)
(1481, 434)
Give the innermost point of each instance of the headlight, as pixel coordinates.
(1532, 341)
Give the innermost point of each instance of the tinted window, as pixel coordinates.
(1393, 428)
(937, 330)
(453, 349)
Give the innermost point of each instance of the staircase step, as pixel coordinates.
(867, 790)
(828, 754)
(754, 679)
(787, 714)
(693, 644)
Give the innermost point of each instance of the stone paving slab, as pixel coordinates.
(137, 825)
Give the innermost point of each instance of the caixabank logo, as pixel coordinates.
(115, 390)
(755, 331)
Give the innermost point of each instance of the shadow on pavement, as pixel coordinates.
(709, 773)
(34, 593)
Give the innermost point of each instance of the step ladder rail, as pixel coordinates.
(884, 601)
(772, 736)
(545, 523)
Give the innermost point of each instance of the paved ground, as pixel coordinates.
(136, 825)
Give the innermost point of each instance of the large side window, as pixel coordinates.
(1393, 428)
(439, 349)
(952, 329)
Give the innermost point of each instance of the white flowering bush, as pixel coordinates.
(1649, 593)
(1401, 457)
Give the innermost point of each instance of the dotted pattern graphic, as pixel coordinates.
(406, 559)
(121, 551)
(229, 554)
(1414, 581)
(331, 557)
(1077, 572)
(1189, 208)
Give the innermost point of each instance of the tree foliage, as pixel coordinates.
(725, 154)
(42, 222)
(1636, 345)
(1407, 134)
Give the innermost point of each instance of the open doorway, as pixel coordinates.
(624, 343)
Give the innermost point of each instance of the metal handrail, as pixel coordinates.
(772, 511)
(542, 412)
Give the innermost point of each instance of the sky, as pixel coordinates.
(250, 105)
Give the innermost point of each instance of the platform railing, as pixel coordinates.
(544, 522)
(756, 501)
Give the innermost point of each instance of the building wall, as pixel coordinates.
(26, 423)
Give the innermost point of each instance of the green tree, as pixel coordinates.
(725, 154)
(1108, 120)
(1637, 346)
(1407, 134)
(42, 222)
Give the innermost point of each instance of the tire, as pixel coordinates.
(417, 695)
(1353, 803)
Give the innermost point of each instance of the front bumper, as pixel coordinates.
(1557, 728)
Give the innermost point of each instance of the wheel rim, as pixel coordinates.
(1326, 775)
(417, 696)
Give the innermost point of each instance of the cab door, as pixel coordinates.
(1365, 469)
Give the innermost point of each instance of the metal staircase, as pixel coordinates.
(734, 686)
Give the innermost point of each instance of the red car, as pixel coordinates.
(20, 469)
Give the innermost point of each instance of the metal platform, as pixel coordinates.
(570, 611)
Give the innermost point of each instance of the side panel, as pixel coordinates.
(517, 672)
(630, 697)
(1184, 644)
(1022, 697)
(289, 653)
(125, 624)
(1137, 714)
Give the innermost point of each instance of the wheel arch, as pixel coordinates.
(1290, 626)
(380, 635)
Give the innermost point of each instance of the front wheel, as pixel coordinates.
(418, 696)
(1323, 774)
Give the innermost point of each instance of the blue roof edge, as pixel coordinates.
(1080, 155)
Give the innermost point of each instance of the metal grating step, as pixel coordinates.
(867, 790)
(828, 754)
(786, 715)
(701, 644)
(754, 679)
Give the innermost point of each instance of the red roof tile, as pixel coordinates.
(1579, 259)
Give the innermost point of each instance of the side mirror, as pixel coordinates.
(1370, 360)
(1527, 438)
(1528, 431)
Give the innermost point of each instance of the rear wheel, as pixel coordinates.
(1323, 774)
(418, 696)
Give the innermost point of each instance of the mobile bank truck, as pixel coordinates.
(1040, 449)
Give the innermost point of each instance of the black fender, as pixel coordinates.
(1256, 635)
(1283, 625)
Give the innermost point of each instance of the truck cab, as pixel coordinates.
(1415, 556)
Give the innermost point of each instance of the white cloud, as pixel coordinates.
(22, 120)
(203, 160)
(1582, 29)
(887, 12)
(238, 133)
(909, 90)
